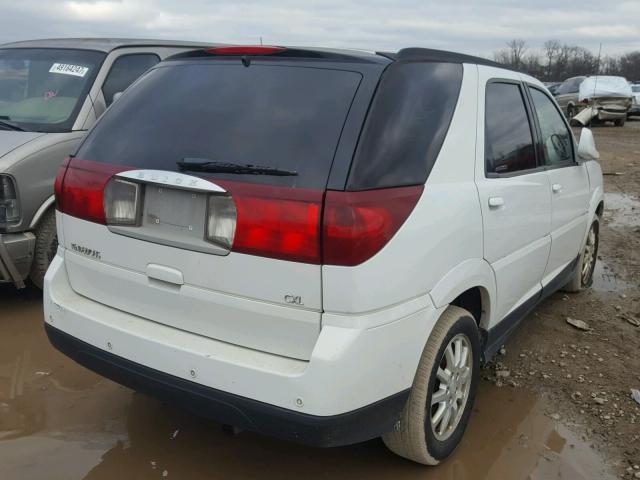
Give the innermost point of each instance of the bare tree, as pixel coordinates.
(502, 56)
(517, 47)
(551, 51)
(629, 65)
(556, 61)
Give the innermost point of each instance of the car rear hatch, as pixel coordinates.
(196, 201)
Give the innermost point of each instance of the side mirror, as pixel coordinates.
(116, 96)
(587, 146)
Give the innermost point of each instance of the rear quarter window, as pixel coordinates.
(406, 125)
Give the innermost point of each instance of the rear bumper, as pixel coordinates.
(611, 114)
(16, 256)
(352, 389)
(352, 427)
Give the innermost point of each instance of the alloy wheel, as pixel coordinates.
(589, 256)
(451, 388)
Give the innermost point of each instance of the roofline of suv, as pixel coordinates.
(410, 54)
(405, 54)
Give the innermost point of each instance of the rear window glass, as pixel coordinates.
(508, 141)
(407, 123)
(288, 118)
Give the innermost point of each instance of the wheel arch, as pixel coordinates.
(596, 209)
(48, 204)
(470, 285)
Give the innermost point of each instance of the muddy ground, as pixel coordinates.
(556, 404)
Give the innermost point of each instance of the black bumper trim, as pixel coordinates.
(323, 431)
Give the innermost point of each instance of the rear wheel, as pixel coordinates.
(45, 249)
(571, 111)
(437, 412)
(583, 275)
(619, 122)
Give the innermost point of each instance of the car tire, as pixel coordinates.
(415, 436)
(45, 248)
(571, 111)
(583, 275)
(619, 122)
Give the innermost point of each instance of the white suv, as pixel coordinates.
(319, 245)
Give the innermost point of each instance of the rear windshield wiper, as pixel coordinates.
(205, 165)
(9, 125)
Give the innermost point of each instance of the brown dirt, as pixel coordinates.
(588, 375)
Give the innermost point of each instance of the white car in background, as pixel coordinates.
(319, 245)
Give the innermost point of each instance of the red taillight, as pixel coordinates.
(57, 186)
(285, 223)
(585, 101)
(82, 189)
(245, 50)
(277, 222)
(357, 225)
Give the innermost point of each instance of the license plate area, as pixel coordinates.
(174, 217)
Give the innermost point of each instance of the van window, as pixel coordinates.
(285, 117)
(508, 140)
(124, 71)
(571, 85)
(556, 138)
(43, 89)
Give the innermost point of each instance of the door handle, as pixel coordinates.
(165, 274)
(556, 188)
(495, 202)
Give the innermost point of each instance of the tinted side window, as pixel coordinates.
(560, 89)
(573, 85)
(124, 71)
(556, 138)
(406, 125)
(508, 143)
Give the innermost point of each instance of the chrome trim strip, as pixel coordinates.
(172, 179)
(41, 211)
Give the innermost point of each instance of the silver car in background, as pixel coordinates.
(635, 108)
(608, 98)
(51, 92)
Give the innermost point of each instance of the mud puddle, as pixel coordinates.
(607, 279)
(622, 210)
(59, 421)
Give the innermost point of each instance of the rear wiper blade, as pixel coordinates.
(205, 165)
(9, 125)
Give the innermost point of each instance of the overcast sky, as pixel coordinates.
(477, 27)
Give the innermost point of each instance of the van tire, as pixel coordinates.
(619, 122)
(414, 437)
(45, 248)
(579, 281)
